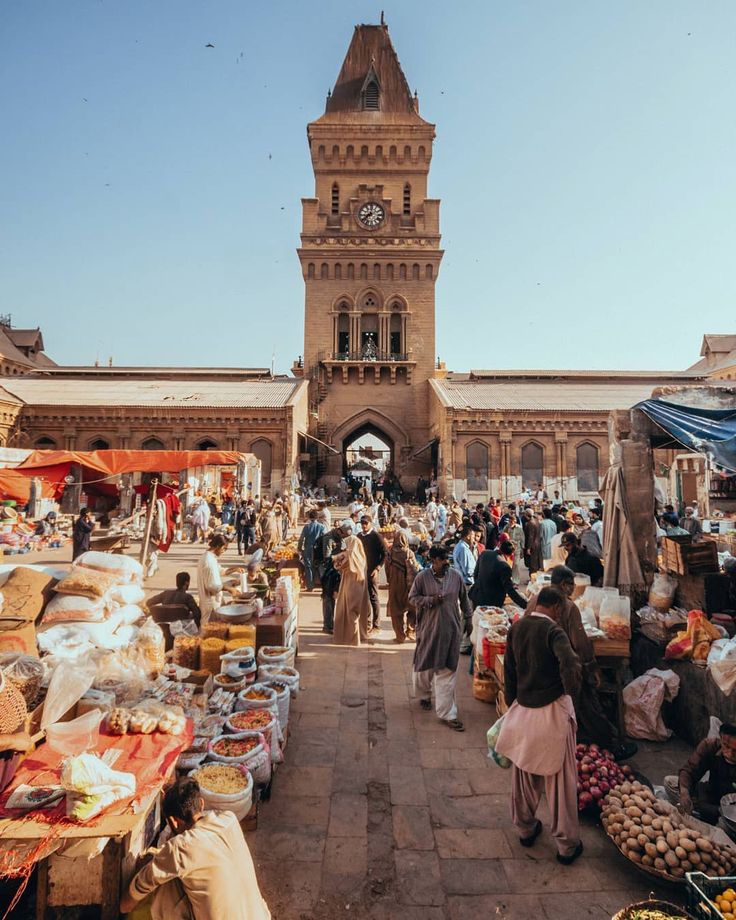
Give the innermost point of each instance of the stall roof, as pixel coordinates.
(113, 462)
(146, 393)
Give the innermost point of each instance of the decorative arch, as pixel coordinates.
(310, 270)
(415, 271)
(373, 420)
(477, 465)
(428, 271)
(98, 444)
(532, 465)
(262, 448)
(342, 303)
(351, 271)
(369, 300)
(45, 443)
(587, 462)
(397, 303)
(206, 444)
(153, 443)
(324, 271)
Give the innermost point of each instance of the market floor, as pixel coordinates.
(381, 811)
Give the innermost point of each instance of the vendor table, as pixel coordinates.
(612, 656)
(89, 864)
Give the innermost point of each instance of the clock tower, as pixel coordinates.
(370, 254)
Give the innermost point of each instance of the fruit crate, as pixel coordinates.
(701, 888)
(686, 558)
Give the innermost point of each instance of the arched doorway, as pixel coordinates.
(368, 458)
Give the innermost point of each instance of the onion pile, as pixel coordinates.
(598, 773)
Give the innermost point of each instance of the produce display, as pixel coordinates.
(726, 903)
(653, 834)
(285, 552)
(234, 747)
(598, 773)
(221, 778)
(256, 694)
(251, 719)
(654, 913)
(143, 722)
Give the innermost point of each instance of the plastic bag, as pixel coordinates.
(590, 625)
(69, 682)
(152, 646)
(662, 592)
(85, 583)
(125, 569)
(93, 786)
(183, 628)
(68, 607)
(492, 739)
(643, 699)
(81, 734)
(127, 594)
(722, 664)
(615, 617)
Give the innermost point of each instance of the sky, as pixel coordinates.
(150, 186)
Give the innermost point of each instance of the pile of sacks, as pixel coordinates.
(98, 605)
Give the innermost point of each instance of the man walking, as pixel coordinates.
(464, 560)
(375, 553)
(492, 578)
(333, 542)
(541, 676)
(311, 534)
(444, 614)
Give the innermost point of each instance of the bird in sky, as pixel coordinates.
(209, 45)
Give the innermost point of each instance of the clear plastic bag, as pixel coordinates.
(662, 592)
(65, 607)
(152, 646)
(125, 569)
(70, 681)
(85, 583)
(615, 617)
(492, 738)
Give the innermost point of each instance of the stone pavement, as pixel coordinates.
(381, 811)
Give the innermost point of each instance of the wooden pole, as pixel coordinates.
(149, 523)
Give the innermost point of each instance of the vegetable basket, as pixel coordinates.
(634, 911)
(701, 889)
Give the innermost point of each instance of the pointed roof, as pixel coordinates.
(371, 54)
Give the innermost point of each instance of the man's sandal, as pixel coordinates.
(426, 704)
(455, 724)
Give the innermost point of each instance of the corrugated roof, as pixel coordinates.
(577, 374)
(241, 394)
(542, 396)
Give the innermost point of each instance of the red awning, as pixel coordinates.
(114, 462)
(17, 487)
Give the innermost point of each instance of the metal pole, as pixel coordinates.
(149, 522)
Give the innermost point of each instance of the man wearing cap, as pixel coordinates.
(375, 553)
(333, 542)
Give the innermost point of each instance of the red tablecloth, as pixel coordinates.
(149, 757)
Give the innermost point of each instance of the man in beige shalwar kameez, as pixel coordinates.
(542, 675)
(204, 871)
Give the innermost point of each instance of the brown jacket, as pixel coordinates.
(572, 623)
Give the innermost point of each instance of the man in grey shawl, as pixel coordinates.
(444, 615)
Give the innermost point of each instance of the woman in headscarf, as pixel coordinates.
(353, 605)
(401, 567)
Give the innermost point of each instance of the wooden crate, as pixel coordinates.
(685, 558)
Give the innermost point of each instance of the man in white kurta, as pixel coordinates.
(209, 577)
(204, 871)
(541, 672)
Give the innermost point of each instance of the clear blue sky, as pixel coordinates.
(586, 160)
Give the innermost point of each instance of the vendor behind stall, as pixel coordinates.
(715, 756)
(580, 560)
(47, 526)
(204, 871)
(179, 595)
(209, 577)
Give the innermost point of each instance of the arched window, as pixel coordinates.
(395, 332)
(338, 271)
(371, 96)
(324, 270)
(428, 272)
(152, 444)
(310, 270)
(587, 467)
(390, 272)
(363, 271)
(99, 444)
(263, 450)
(335, 198)
(343, 331)
(532, 466)
(407, 198)
(206, 444)
(45, 444)
(415, 272)
(376, 272)
(402, 272)
(476, 467)
(351, 271)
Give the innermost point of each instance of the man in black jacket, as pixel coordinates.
(492, 578)
(375, 553)
(580, 560)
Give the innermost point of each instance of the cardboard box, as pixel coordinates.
(498, 669)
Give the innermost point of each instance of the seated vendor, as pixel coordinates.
(593, 725)
(47, 526)
(179, 595)
(204, 870)
(715, 756)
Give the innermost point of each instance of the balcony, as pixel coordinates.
(371, 361)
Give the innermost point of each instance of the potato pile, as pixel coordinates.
(652, 833)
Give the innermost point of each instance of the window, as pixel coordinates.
(99, 444)
(532, 466)
(587, 466)
(369, 334)
(476, 467)
(343, 332)
(335, 198)
(206, 444)
(152, 444)
(407, 199)
(263, 450)
(395, 332)
(371, 96)
(45, 444)
(369, 302)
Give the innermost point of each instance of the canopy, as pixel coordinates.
(706, 431)
(16, 486)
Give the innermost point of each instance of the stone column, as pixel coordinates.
(561, 461)
(504, 439)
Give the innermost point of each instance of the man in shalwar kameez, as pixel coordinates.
(444, 615)
(542, 676)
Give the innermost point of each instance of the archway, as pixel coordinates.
(368, 458)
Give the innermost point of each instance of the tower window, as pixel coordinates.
(407, 198)
(335, 198)
(370, 96)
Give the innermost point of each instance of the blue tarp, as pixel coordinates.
(706, 431)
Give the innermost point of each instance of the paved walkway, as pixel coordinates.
(380, 811)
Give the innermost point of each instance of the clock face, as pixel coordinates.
(371, 215)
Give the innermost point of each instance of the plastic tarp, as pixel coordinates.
(17, 487)
(706, 431)
(113, 462)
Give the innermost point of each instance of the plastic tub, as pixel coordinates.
(77, 736)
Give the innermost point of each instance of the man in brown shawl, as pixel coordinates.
(401, 567)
